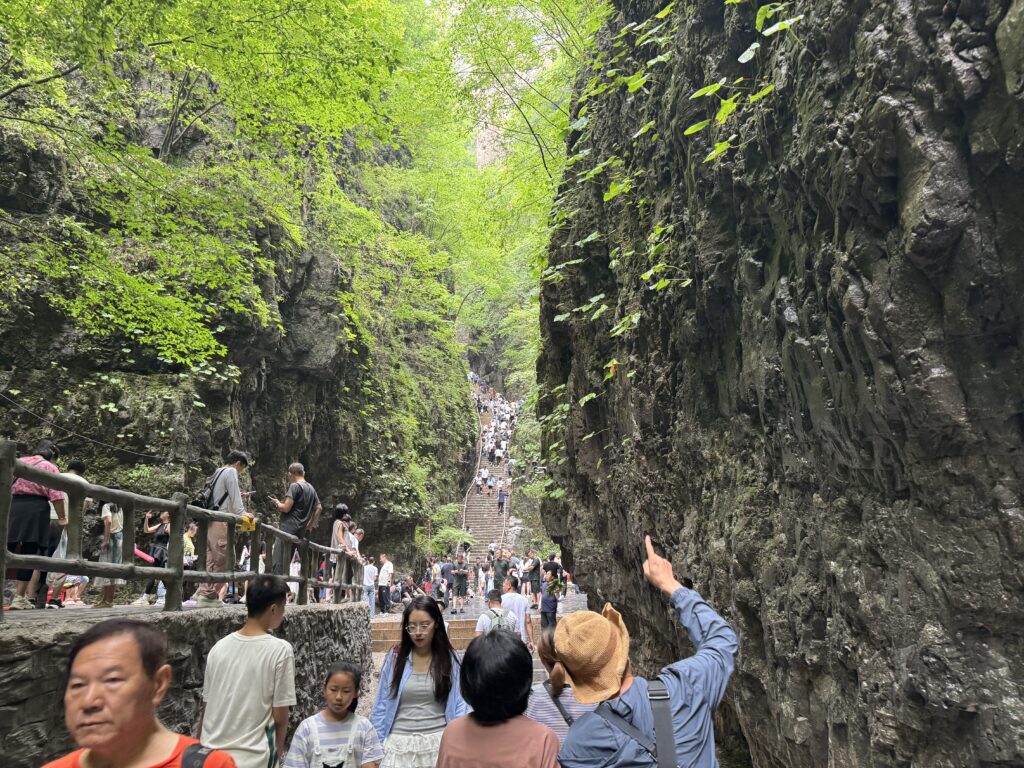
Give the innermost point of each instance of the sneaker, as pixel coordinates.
(54, 604)
(209, 602)
(159, 601)
(189, 604)
(21, 603)
(104, 604)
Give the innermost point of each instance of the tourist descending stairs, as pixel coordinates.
(481, 518)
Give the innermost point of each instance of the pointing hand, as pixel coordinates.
(658, 570)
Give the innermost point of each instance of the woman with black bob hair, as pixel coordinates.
(419, 692)
(497, 674)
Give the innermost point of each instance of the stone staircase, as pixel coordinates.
(481, 519)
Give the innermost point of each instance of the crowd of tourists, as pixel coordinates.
(432, 707)
(39, 515)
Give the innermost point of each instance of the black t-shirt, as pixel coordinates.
(304, 501)
(500, 570)
(537, 563)
(461, 577)
(446, 571)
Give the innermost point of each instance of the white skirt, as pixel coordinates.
(411, 750)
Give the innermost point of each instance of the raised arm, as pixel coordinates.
(710, 667)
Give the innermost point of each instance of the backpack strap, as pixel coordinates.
(213, 485)
(663, 753)
(195, 756)
(569, 720)
(623, 725)
(664, 733)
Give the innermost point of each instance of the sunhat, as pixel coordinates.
(593, 649)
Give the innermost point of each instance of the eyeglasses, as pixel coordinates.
(419, 629)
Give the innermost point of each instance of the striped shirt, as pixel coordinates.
(542, 709)
(366, 746)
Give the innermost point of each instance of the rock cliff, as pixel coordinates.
(824, 429)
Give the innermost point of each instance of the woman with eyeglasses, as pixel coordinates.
(419, 691)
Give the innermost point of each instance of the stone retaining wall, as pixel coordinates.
(33, 656)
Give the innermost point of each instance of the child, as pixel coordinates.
(336, 736)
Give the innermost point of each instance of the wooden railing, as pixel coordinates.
(174, 575)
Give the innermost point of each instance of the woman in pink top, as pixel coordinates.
(497, 672)
(30, 517)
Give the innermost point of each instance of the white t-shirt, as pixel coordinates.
(369, 574)
(387, 571)
(483, 624)
(245, 678)
(517, 605)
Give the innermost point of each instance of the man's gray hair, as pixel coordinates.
(296, 469)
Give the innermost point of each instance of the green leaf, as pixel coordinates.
(696, 127)
(726, 108)
(765, 12)
(587, 398)
(720, 147)
(617, 189)
(748, 54)
(600, 311)
(662, 284)
(646, 127)
(595, 235)
(14, 392)
(708, 90)
(664, 11)
(562, 317)
(756, 97)
(580, 124)
(781, 25)
(636, 82)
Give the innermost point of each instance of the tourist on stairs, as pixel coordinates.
(116, 678)
(496, 617)
(519, 606)
(460, 574)
(496, 675)
(161, 532)
(110, 550)
(690, 689)
(226, 496)
(418, 694)
(300, 513)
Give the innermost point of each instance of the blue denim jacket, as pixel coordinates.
(385, 707)
(695, 687)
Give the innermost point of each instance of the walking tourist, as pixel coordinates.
(161, 532)
(533, 568)
(501, 566)
(226, 496)
(115, 724)
(249, 684)
(29, 521)
(419, 690)
(551, 702)
(496, 617)
(57, 534)
(370, 585)
(502, 496)
(519, 606)
(694, 685)
(495, 734)
(110, 550)
(384, 577)
(300, 512)
(460, 572)
(336, 735)
(447, 577)
(548, 601)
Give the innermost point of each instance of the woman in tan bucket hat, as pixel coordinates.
(592, 650)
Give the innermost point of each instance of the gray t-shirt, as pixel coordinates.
(226, 487)
(304, 501)
(418, 711)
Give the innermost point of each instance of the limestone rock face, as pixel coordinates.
(824, 430)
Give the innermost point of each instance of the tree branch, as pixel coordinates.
(30, 83)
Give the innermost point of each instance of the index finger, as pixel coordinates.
(650, 547)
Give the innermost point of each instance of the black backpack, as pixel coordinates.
(205, 498)
(195, 756)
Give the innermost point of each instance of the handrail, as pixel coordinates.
(173, 574)
(472, 482)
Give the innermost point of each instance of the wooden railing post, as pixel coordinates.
(303, 596)
(176, 554)
(75, 502)
(230, 557)
(8, 454)
(200, 540)
(128, 533)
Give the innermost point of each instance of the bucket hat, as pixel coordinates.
(594, 649)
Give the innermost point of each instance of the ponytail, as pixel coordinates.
(557, 679)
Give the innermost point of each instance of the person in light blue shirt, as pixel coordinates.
(419, 693)
(695, 684)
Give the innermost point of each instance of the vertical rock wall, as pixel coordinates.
(33, 657)
(825, 429)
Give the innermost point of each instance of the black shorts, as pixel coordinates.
(460, 588)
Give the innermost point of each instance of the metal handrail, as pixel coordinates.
(173, 574)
